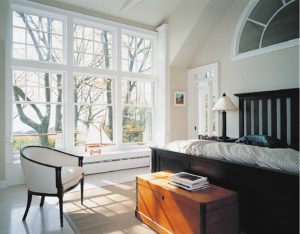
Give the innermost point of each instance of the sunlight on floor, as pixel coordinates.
(46, 219)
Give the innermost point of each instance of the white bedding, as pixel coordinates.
(286, 160)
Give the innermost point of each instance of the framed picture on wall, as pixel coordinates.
(179, 98)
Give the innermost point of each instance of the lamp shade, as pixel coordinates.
(224, 104)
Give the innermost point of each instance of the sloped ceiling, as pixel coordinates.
(148, 12)
(197, 31)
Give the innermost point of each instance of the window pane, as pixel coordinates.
(136, 92)
(18, 20)
(92, 90)
(284, 26)
(93, 113)
(136, 54)
(137, 124)
(37, 109)
(30, 129)
(57, 27)
(92, 47)
(19, 35)
(93, 127)
(137, 100)
(57, 41)
(19, 51)
(265, 9)
(37, 38)
(250, 37)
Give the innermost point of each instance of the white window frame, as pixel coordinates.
(235, 55)
(69, 70)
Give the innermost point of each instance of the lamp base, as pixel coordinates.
(223, 138)
(227, 139)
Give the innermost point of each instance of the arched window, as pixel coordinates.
(267, 25)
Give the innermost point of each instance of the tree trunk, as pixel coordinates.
(44, 141)
(108, 83)
(58, 111)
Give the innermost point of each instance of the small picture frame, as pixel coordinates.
(179, 98)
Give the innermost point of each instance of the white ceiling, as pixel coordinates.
(149, 12)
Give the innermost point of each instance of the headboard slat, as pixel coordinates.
(256, 116)
(283, 125)
(284, 118)
(274, 116)
(295, 121)
(241, 116)
(248, 117)
(265, 116)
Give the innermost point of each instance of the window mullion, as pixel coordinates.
(118, 111)
(69, 88)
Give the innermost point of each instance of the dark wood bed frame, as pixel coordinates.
(268, 199)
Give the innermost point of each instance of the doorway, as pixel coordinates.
(203, 87)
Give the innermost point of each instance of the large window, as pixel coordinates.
(71, 85)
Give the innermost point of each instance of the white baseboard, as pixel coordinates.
(115, 162)
(3, 184)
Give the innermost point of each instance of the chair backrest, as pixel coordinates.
(38, 177)
(44, 155)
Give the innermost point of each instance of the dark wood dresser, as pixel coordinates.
(169, 209)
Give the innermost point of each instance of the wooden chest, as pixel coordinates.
(169, 209)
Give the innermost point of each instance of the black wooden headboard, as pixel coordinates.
(274, 113)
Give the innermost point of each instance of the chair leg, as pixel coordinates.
(81, 189)
(29, 198)
(42, 201)
(60, 198)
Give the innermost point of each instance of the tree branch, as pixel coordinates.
(18, 92)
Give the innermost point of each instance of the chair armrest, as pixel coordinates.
(39, 177)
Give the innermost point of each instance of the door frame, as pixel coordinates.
(193, 79)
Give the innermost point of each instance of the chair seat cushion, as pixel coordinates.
(70, 176)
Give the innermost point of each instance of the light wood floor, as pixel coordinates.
(46, 220)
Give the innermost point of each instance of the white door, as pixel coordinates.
(203, 85)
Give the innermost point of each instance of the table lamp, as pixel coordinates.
(224, 104)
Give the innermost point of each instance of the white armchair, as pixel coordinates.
(50, 172)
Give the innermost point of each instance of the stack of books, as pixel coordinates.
(189, 181)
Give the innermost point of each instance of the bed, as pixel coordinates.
(268, 198)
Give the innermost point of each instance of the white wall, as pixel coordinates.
(190, 24)
(178, 115)
(276, 70)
